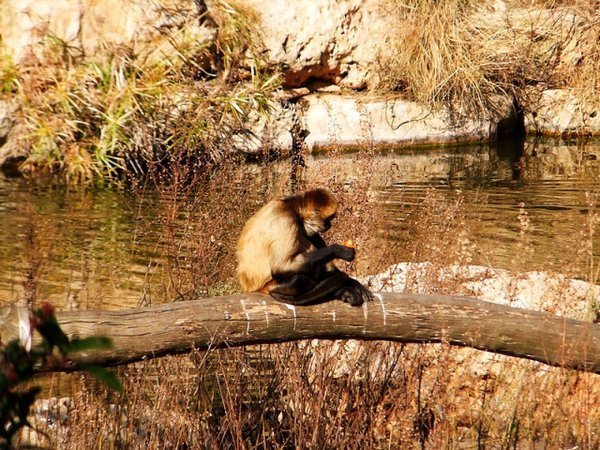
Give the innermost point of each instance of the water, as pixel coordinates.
(537, 199)
(102, 248)
(80, 238)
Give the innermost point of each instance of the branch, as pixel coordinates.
(257, 319)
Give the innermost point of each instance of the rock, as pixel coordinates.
(349, 120)
(562, 111)
(266, 133)
(541, 291)
(7, 119)
(86, 25)
(25, 23)
(10, 152)
(324, 40)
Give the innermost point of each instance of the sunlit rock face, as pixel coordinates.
(347, 120)
(25, 23)
(324, 40)
(541, 291)
(562, 111)
(330, 120)
(86, 25)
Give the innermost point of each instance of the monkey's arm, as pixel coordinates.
(311, 260)
(317, 241)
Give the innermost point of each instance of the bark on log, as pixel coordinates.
(257, 319)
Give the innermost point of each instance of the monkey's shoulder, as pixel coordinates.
(275, 215)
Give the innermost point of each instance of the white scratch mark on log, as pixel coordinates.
(247, 316)
(380, 298)
(293, 309)
(266, 312)
(365, 310)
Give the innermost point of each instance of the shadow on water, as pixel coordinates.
(96, 254)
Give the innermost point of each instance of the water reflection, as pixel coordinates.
(73, 242)
(96, 253)
(551, 186)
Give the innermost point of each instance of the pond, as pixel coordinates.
(528, 206)
(538, 198)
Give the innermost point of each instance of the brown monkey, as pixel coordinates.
(281, 253)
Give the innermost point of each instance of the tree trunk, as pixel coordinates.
(257, 319)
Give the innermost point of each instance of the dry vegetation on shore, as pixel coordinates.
(463, 54)
(106, 118)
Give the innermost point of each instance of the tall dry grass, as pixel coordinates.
(442, 57)
(463, 55)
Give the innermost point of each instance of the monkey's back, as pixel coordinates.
(264, 239)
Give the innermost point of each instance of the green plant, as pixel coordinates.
(103, 120)
(9, 75)
(238, 39)
(19, 362)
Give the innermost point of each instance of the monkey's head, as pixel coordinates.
(317, 210)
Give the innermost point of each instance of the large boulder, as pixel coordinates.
(562, 111)
(323, 40)
(349, 120)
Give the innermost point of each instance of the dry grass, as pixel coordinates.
(462, 55)
(443, 58)
(337, 395)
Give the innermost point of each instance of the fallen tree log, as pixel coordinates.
(238, 320)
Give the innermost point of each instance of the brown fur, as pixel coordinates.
(275, 238)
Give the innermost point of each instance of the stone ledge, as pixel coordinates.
(349, 121)
(560, 112)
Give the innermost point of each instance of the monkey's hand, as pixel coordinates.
(343, 252)
(354, 293)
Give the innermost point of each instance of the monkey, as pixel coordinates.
(280, 252)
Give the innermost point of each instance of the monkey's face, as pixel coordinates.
(317, 210)
(315, 223)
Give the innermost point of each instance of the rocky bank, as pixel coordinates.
(330, 57)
